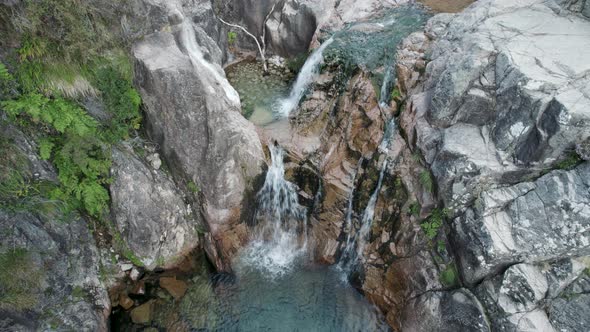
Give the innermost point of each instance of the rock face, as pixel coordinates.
(150, 212)
(493, 120)
(521, 111)
(510, 222)
(295, 24)
(194, 115)
(49, 270)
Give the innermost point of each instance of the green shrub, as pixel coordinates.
(231, 37)
(122, 102)
(20, 280)
(82, 160)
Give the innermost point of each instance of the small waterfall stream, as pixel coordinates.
(388, 80)
(306, 76)
(356, 240)
(282, 231)
(188, 40)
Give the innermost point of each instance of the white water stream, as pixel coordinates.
(282, 233)
(306, 76)
(357, 239)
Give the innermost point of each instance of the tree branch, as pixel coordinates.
(253, 37)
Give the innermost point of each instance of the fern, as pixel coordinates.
(426, 181)
(4, 74)
(45, 147)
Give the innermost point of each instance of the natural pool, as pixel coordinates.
(259, 94)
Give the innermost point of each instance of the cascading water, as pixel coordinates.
(308, 73)
(356, 241)
(188, 40)
(282, 230)
(388, 79)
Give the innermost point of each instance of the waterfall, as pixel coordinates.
(282, 230)
(388, 78)
(388, 135)
(308, 73)
(188, 40)
(348, 248)
(356, 240)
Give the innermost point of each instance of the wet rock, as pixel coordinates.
(188, 99)
(176, 288)
(149, 211)
(143, 313)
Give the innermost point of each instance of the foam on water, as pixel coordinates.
(281, 235)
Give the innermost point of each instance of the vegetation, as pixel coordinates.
(426, 181)
(569, 162)
(231, 37)
(20, 280)
(414, 209)
(296, 63)
(73, 57)
(192, 187)
(396, 94)
(448, 277)
(433, 223)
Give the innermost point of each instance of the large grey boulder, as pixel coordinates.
(149, 211)
(531, 222)
(193, 113)
(492, 109)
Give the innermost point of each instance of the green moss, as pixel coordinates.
(396, 95)
(20, 280)
(449, 277)
(192, 187)
(570, 161)
(78, 292)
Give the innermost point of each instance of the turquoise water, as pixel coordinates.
(309, 298)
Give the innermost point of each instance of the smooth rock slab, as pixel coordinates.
(529, 222)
